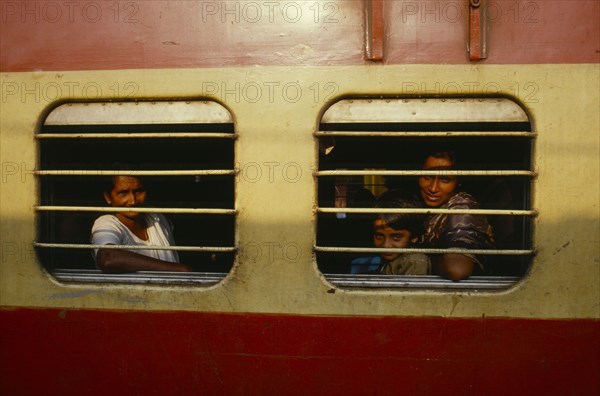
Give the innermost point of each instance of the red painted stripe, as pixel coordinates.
(157, 353)
(112, 35)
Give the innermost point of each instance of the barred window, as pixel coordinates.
(184, 151)
(368, 146)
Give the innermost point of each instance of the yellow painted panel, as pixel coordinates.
(276, 110)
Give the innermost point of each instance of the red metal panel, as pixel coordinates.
(52, 35)
(66, 352)
(520, 31)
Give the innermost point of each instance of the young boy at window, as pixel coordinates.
(399, 230)
(394, 230)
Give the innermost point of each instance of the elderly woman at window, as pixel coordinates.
(133, 228)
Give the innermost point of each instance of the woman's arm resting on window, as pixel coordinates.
(454, 266)
(118, 261)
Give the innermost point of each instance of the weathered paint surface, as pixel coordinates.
(50, 35)
(68, 352)
(275, 325)
(564, 281)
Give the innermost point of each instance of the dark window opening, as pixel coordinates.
(70, 175)
(498, 150)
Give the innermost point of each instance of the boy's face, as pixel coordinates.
(385, 236)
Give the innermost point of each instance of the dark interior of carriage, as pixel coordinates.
(163, 191)
(393, 153)
(349, 153)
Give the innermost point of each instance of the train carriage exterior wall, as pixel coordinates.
(275, 324)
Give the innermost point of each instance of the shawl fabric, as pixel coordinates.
(463, 231)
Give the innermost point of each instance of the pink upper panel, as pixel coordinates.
(88, 35)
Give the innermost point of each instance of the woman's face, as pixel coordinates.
(437, 190)
(127, 192)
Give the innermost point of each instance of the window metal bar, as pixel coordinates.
(494, 252)
(426, 134)
(501, 212)
(135, 173)
(419, 281)
(142, 135)
(117, 209)
(218, 249)
(341, 172)
(383, 277)
(352, 281)
(154, 277)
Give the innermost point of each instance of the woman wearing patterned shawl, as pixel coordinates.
(444, 231)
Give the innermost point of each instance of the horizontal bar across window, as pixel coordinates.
(142, 135)
(220, 249)
(340, 172)
(117, 209)
(154, 277)
(136, 173)
(503, 252)
(499, 212)
(425, 134)
(420, 281)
